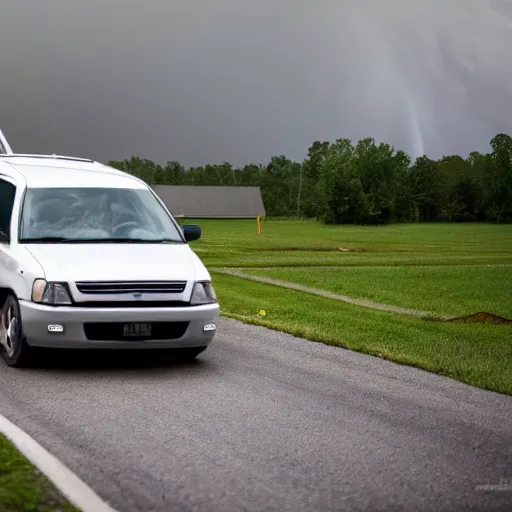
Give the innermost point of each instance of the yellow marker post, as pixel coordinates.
(259, 225)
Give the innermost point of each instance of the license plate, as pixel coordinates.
(136, 330)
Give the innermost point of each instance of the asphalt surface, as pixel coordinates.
(266, 422)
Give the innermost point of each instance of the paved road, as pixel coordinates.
(267, 422)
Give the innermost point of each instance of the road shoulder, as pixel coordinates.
(67, 483)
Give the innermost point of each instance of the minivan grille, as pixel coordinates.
(134, 304)
(118, 287)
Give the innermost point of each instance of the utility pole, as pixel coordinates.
(300, 189)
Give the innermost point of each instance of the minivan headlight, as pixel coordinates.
(203, 293)
(54, 294)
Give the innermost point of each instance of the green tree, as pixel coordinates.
(383, 173)
(344, 200)
(280, 186)
(311, 189)
(142, 168)
(173, 173)
(427, 189)
(498, 180)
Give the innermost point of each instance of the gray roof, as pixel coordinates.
(212, 202)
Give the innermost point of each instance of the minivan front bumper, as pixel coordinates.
(65, 327)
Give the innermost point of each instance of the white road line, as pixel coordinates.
(75, 490)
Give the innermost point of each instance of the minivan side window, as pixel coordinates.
(7, 193)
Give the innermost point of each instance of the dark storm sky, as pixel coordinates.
(204, 81)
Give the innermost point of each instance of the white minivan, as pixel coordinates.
(90, 257)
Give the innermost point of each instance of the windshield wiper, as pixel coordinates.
(45, 239)
(64, 240)
(129, 241)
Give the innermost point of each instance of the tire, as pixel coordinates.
(186, 354)
(13, 346)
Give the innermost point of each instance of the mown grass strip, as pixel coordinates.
(327, 294)
(23, 488)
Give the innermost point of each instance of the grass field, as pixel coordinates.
(234, 243)
(445, 269)
(22, 488)
(440, 290)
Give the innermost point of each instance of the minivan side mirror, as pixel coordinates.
(191, 232)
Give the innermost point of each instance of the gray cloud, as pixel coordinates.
(240, 80)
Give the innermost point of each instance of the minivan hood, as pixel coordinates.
(118, 262)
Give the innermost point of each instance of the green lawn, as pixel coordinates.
(23, 488)
(289, 234)
(447, 269)
(235, 243)
(440, 290)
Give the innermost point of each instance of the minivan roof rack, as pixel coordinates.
(49, 157)
(6, 151)
(5, 148)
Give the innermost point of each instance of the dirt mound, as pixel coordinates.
(481, 318)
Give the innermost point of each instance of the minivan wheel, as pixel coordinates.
(13, 345)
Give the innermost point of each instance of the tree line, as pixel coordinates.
(363, 183)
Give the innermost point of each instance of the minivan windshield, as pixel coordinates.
(95, 215)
